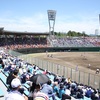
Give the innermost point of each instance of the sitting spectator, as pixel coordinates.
(47, 89)
(69, 80)
(11, 76)
(73, 91)
(1, 64)
(67, 91)
(35, 92)
(79, 94)
(24, 77)
(57, 78)
(56, 88)
(7, 68)
(45, 72)
(15, 94)
(20, 70)
(88, 93)
(66, 97)
(61, 90)
(94, 97)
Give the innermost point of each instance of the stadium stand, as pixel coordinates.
(74, 41)
(18, 40)
(77, 91)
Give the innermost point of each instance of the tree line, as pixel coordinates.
(70, 34)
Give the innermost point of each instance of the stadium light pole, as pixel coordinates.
(99, 25)
(51, 20)
(99, 20)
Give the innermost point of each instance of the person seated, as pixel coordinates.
(67, 91)
(35, 92)
(88, 93)
(57, 78)
(65, 97)
(94, 97)
(23, 76)
(45, 72)
(7, 68)
(79, 94)
(47, 89)
(39, 98)
(16, 93)
(55, 88)
(61, 91)
(73, 91)
(11, 76)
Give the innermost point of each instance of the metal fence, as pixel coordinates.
(86, 78)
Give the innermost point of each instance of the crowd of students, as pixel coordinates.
(20, 73)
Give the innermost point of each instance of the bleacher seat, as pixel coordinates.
(3, 79)
(1, 93)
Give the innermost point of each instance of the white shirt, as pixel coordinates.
(67, 91)
(14, 95)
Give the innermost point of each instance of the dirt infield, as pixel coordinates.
(87, 61)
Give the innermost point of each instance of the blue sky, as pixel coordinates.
(31, 15)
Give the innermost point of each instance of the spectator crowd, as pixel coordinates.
(58, 88)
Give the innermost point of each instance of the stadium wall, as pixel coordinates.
(58, 49)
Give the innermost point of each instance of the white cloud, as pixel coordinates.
(88, 27)
(39, 23)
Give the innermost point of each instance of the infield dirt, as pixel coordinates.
(87, 61)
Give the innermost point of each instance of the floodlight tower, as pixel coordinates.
(99, 20)
(99, 25)
(51, 20)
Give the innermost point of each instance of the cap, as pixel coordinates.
(24, 70)
(15, 83)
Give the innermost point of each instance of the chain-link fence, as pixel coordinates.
(86, 78)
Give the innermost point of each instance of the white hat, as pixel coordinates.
(24, 70)
(15, 83)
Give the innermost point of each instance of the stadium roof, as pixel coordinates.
(2, 31)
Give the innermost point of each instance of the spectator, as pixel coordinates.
(67, 91)
(94, 97)
(23, 76)
(35, 92)
(79, 94)
(56, 88)
(15, 94)
(11, 76)
(66, 97)
(20, 70)
(47, 89)
(88, 93)
(61, 90)
(45, 72)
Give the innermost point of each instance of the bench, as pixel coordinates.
(1, 93)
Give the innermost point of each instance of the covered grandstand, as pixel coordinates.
(17, 40)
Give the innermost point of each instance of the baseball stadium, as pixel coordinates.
(71, 63)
